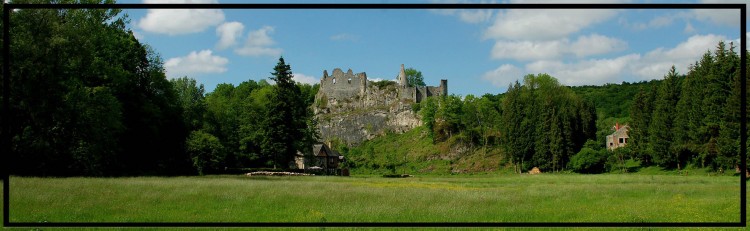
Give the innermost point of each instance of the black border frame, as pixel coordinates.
(6, 139)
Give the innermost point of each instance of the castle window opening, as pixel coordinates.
(349, 80)
(622, 140)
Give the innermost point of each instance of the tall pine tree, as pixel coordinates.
(661, 128)
(287, 120)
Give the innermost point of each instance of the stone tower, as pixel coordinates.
(402, 77)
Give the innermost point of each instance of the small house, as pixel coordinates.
(322, 158)
(619, 137)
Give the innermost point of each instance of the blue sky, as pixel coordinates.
(478, 50)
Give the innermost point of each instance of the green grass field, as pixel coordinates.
(478, 198)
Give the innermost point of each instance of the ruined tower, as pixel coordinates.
(402, 77)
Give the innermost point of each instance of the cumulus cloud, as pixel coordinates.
(730, 17)
(593, 71)
(657, 22)
(503, 75)
(588, 45)
(180, 21)
(228, 34)
(544, 24)
(651, 65)
(258, 43)
(302, 78)
(195, 63)
(655, 63)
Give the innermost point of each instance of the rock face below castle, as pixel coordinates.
(352, 109)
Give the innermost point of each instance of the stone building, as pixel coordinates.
(619, 138)
(351, 109)
(418, 93)
(322, 157)
(349, 86)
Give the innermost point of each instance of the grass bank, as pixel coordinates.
(479, 198)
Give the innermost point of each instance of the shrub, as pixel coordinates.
(588, 161)
(415, 107)
(384, 83)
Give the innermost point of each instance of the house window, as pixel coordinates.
(622, 140)
(626, 140)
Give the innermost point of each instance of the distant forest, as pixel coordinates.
(87, 98)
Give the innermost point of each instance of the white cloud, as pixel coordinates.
(302, 78)
(503, 75)
(466, 15)
(180, 21)
(593, 44)
(718, 16)
(651, 65)
(228, 34)
(258, 42)
(596, 44)
(137, 35)
(594, 71)
(195, 63)
(689, 29)
(544, 24)
(528, 50)
(657, 62)
(344, 37)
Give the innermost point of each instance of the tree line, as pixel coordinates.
(683, 119)
(539, 123)
(691, 118)
(88, 98)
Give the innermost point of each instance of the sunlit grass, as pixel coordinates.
(483, 198)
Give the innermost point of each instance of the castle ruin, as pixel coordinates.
(346, 86)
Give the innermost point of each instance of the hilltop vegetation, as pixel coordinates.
(95, 101)
(682, 121)
(89, 99)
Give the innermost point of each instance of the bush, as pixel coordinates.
(384, 83)
(588, 161)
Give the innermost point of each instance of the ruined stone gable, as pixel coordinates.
(352, 109)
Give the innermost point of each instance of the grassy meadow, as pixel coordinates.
(472, 198)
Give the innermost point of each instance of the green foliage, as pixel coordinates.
(415, 107)
(89, 98)
(545, 123)
(588, 161)
(205, 151)
(287, 123)
(414, 77)
(640, 114)
(191, 97)
(662, 126)
(693, 119)
(382, 84)
(323, 101)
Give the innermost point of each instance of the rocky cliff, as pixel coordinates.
(375, 111)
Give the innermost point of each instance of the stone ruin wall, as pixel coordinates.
(341, 86)
(352, 110)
